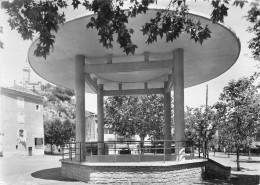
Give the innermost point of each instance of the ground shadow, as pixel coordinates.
(237, 179)
(243, 169)
(51, 174)
(248, 161)
(240, 179)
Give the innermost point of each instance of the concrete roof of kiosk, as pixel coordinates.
(148, 69)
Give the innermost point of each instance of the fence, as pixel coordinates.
(130, 151)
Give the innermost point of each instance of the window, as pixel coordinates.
(37, 107)
(38, 143)
(21, 133)
(20, 102)
(20, 117)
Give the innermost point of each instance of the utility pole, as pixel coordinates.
(207, 98)
(206, 110)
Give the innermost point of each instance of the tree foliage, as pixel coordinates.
(200, 124)
(59, 115)
(58, 103)
(253, 17)
(29, 17)
(58, 133)
(135, 115)
(239, 106)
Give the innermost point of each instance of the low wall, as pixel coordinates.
(217, 170)
(136, 173)
(170, 172)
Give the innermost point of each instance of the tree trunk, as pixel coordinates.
(142, 144)
(206, 149)
(238, 164)
(249, 153)
(202, 149)
(199, 148)
(51, 150)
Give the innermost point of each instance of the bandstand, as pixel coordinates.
(81, 63)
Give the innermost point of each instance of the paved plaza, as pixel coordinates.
(249, 174)
(44, 170)
(32, 170)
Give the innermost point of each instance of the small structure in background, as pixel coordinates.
(91, 122)
(27, 83)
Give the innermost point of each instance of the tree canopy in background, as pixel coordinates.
(58, 133)
(201, 125)
(253, 17)
(239, 108)
(58, 102)
(200, 122)
(136, 115)
(29, 17)
(58, 115)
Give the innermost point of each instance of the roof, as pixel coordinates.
(16, 89)
(201, 62)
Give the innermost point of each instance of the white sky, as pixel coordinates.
(14, 54)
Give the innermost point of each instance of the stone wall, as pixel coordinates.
(187, 173)
(216, 170)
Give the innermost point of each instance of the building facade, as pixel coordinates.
(21, 121)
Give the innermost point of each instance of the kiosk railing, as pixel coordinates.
(130, 151)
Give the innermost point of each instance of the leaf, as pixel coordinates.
(226, 1)
(241, 3)
(179, 2)
(76, 3)
(87, 5)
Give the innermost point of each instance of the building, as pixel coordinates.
(92, 129)
(91, 126)
(21, 119)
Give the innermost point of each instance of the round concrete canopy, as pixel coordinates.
(201, 62)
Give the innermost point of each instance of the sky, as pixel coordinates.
(14, 54)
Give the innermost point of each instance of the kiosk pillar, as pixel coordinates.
(80, 106)
(179, 103)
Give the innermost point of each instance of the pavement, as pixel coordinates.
(46, 170)
(33, 170)
(249, 174)
(248, 166)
